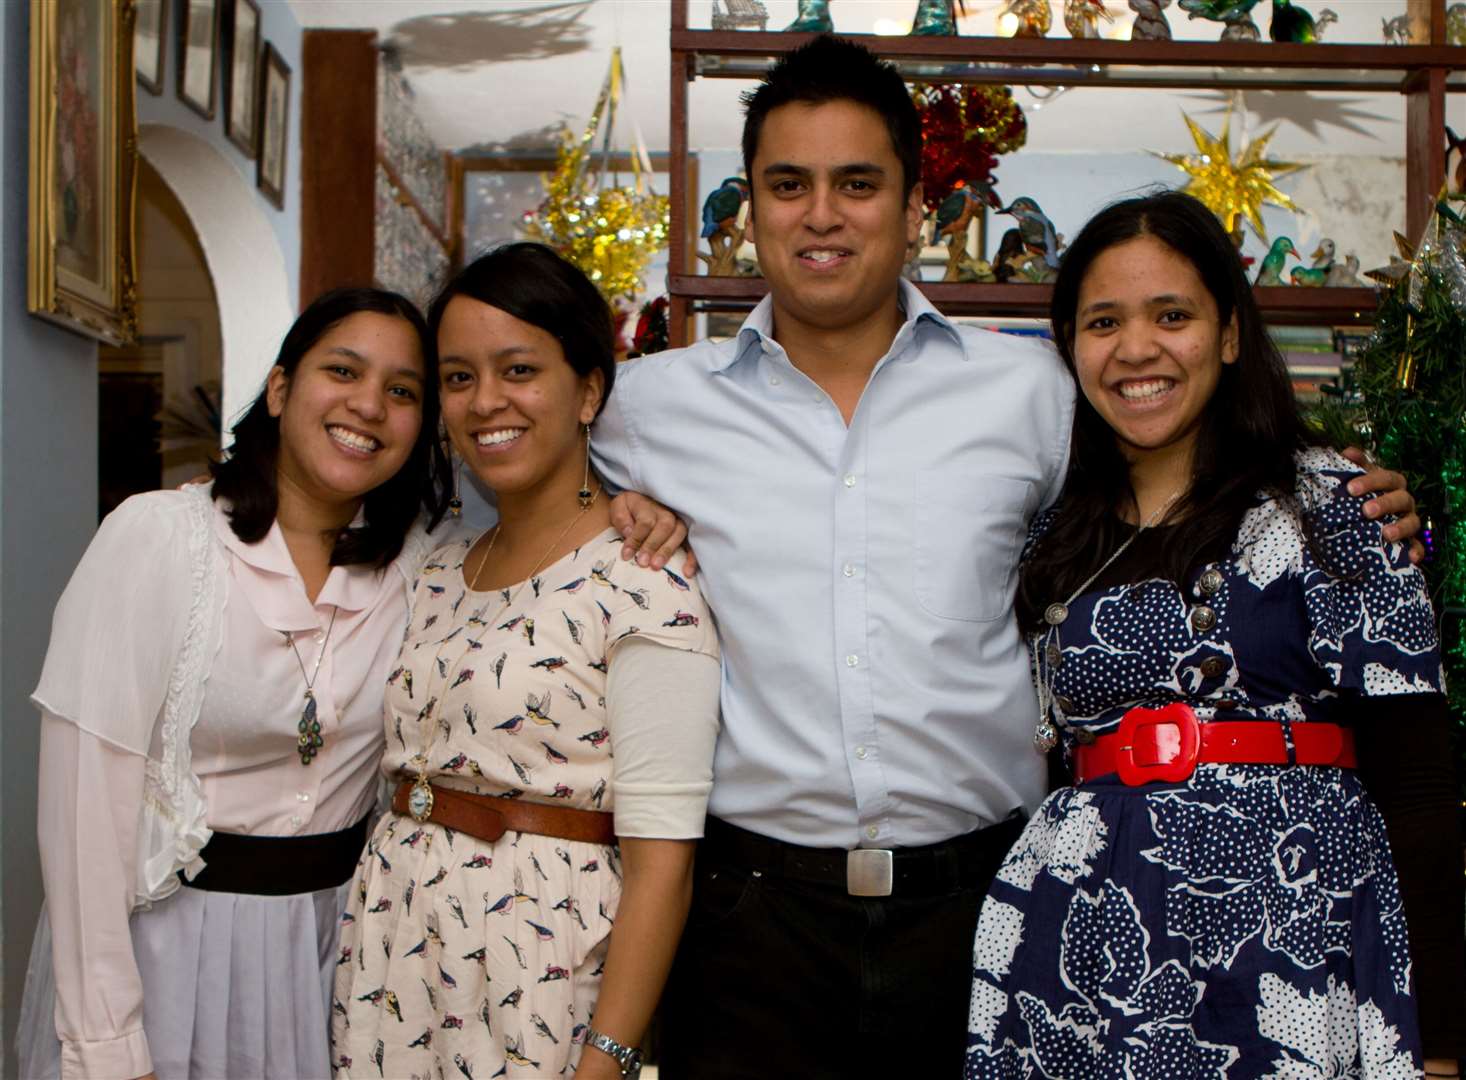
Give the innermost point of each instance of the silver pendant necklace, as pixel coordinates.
(1046, 659)
(310, 741)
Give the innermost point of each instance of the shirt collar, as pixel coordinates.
(757, 331)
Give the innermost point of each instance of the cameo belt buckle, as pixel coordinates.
(869, 872)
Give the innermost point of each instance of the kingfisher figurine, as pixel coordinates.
(1040, 239)
(1082, 17)
(813, 17)
(1150, 20)
(954, 215)
(1236, 15)
(1293, 23)
(1008, 262)
(1271, 272)
(720, 228)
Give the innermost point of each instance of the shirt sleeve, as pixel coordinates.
(612, 438)
(91, 793)
(1372, 629)
(662, 706)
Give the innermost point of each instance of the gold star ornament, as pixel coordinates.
(1233, 187)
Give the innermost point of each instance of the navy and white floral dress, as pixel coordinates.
(1245, 923)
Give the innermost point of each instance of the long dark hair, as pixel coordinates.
(537, 286)
(1248, 435)
(247, 478)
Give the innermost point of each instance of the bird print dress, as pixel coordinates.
(464, 959)
(1244, 923)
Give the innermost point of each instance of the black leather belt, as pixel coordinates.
(279, 865)
(962, 862)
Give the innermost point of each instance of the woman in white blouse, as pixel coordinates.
(211, 719)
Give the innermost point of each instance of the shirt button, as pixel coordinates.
(872, 831)
(861, 752)
(848, 570)
(850, 479)
(1203, 618)
(1213, 666)
(774, 380)
(295, 820)
(1211, 582)
(319, 637)
(303, 796)
(852, 660)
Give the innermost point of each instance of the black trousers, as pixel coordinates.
(781, 977)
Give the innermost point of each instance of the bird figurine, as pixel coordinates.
(1456, 24)
(1037, 231)
(1082, 17)
(1271, 272)
(720, 227)
(1034, 17)
(1235, 15)
(955, 213)
(1396, 30)
(1458, 147)
(1345, 275)
(1293, 23)
(1010, 247)
(937, 17)
(813, 17)
(1323, 257)
(1150, 20)
(1317, 275)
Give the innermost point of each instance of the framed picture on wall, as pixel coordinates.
(242, 76)
(274, 126)
(198, 55)
(149, 36)
(83, 167)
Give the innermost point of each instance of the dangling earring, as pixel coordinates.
(584, 494)
(455, 504)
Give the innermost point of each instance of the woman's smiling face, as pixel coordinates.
(1149, 344)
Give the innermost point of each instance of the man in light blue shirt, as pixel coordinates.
(857, 473)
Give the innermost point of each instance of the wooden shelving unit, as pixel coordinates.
(1424, 73)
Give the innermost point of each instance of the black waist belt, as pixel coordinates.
(280, 865)
(962, 862)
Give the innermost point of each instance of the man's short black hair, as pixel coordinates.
(832, 69)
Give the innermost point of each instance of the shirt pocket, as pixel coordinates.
(967, 546)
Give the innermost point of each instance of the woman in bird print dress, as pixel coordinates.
(478, 940)
(1219, 637)
(211, 720)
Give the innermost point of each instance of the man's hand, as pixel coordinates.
(651, 532)
(1392, 498)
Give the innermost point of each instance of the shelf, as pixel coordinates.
(1059, 61)
(1280, 304)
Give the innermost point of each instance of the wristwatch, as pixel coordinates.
(628, 1057)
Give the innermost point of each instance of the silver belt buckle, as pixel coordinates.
(868, 872)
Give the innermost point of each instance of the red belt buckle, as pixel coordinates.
(1168, 741)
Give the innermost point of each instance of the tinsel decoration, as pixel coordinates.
(1405, 397)
(610, 231)
(964, 129)
(1233, 187)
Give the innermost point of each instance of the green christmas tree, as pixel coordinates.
(1405, 396)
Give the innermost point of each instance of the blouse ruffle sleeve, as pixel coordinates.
(1372, 629)
(131, 642)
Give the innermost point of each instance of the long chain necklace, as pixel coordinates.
(311, 740)
(1046, 659)
(420, 798)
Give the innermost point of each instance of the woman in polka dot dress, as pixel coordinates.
(1209, 612)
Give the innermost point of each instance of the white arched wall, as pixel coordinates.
(244, 258)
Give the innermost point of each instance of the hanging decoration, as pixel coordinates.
(611, 231)
(1404, 397)
(1233, 187)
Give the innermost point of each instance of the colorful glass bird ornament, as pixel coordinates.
(813, 17)
(1235, 15)
(1082, 17)
(1150, 20)
(1032, 18)
(1040, 239)
(721, 227)
(1291, 23)
(1396, 30)
(937, 17)
(1271, 272)
(1456, 24)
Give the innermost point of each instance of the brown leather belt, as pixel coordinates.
(489, 817)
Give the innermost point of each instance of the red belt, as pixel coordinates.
(1167, 744)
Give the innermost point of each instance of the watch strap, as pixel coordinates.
(628, 1057)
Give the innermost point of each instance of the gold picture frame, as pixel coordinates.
(80, 269)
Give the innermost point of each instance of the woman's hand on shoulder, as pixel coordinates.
(1391, 497)
(651, 532)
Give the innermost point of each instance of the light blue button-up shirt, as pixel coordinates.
(876, 692)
